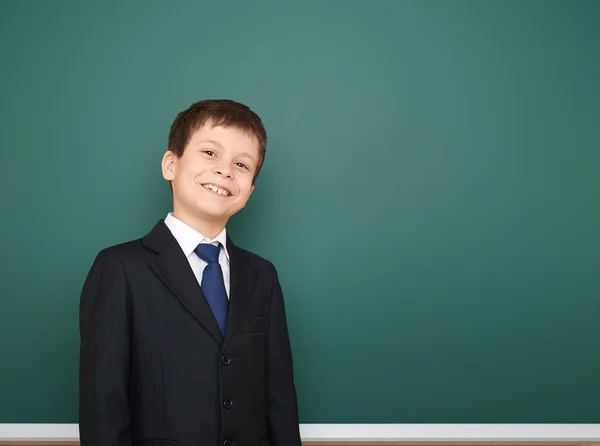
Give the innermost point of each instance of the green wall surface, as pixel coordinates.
(429, 196)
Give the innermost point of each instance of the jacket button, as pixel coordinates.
(225, 359)
(228, 403)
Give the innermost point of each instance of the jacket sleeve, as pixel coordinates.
(104, 417)
(282, 406)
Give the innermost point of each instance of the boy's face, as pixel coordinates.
(212, 180)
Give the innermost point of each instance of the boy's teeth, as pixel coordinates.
(216, 189)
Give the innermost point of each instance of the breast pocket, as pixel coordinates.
(256, 324)
(155, 442)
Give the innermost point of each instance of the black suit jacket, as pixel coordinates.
(154, 367)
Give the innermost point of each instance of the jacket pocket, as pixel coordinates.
(156, 442)
(256, 324)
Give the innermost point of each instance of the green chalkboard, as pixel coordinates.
(430, 192)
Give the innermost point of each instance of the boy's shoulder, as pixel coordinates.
(124, 251)
(258, 261)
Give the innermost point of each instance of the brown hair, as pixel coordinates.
(221, 112)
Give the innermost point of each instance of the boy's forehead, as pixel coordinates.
(222, 135)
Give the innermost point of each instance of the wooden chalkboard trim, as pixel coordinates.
(364, 443)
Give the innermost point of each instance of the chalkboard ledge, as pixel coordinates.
(23, 434)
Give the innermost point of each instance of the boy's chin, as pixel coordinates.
(212, 214)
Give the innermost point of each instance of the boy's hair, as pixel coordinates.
(220, 112)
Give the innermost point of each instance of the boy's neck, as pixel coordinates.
(208, 228)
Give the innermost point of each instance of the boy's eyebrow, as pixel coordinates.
(215, 142)
(246, 155)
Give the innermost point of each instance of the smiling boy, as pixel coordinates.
(184, 338)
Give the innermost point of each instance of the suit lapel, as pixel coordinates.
(243, 276)
(174, 270)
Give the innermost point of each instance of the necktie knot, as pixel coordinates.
(207, 252)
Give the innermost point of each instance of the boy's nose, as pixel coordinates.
(224, 172)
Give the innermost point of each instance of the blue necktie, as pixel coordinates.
(212, 284)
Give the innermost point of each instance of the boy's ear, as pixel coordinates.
(168, 165)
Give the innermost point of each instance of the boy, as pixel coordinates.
(184, 338)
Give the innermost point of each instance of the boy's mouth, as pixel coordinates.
(219, 190)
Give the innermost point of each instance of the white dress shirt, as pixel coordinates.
(188, 238)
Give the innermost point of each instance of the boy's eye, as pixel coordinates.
(209, 152)
(242, 165)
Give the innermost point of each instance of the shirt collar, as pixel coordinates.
(188, 238)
